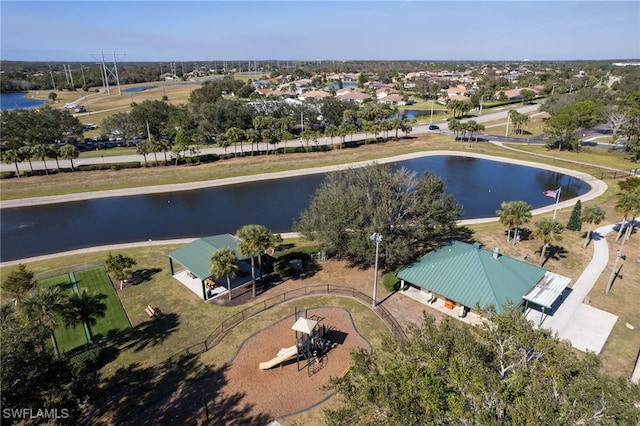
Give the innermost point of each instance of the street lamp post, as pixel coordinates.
(432, 102)
(377, 238)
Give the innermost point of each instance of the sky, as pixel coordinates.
(141, 31)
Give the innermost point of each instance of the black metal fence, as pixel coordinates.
(236, 319)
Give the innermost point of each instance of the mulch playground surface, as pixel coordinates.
(244, 394)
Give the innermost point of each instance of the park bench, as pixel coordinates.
(151, 311)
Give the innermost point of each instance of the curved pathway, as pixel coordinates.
(585, 327)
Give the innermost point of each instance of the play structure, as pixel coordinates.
(310, 344)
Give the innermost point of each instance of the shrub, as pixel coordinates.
(390, 281)
(107, 166)
(7, 175)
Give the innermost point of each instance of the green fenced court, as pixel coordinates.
(67, 338)
(94, 281)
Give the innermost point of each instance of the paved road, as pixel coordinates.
(417, 130)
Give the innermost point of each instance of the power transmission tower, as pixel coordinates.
(53, 81)
(68, 75)
(109, 72)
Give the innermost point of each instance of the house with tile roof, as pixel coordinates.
(314, 94)
(395, 99)
(354, 96)
(469, 276)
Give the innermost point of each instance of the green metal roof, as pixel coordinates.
(470, 275)
(196, 256)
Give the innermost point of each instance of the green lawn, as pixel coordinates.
(95, 281)
(68, 338)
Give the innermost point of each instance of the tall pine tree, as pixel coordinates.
(575, 221)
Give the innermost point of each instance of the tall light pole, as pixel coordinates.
(506, 132)
(432, 102)
(377, 238)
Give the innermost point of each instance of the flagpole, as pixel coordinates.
(555, 208)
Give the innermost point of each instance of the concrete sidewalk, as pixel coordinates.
(585, 327)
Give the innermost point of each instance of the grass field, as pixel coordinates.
(96, 281)
(67, 338)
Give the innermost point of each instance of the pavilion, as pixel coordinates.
(470, 277)
(195, 258)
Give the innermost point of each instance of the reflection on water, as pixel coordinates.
(479, 185)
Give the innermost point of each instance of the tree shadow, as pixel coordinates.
(142, 275)
(309, 270)
(462, 233)
(555, 253)
(525, 234)
(168, 396)
(149, 333)
(616, 276)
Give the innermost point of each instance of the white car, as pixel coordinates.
(70, 106)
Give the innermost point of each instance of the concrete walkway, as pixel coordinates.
(585, 327)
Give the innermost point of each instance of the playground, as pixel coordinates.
(286, 389)
(283, 389)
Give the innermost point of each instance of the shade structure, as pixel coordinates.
(304, 325)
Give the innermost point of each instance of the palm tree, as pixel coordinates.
(591, 215)
(41, 151)
(54, 152)
(513, 214)
(43, 306)
(12, 156)
(84, 308)
(629, 204)
(69, 152)
(224, 262)
(506, 218)
(253, 137)
(331, 131)
(521, 213)
(255, 240)
(234, 135)
(26, 153)
(455, 126)
(548, 231)
(143, 148)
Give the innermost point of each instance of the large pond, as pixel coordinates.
(18, 100)
(479, 185)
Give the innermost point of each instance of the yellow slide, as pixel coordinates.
(283, 355)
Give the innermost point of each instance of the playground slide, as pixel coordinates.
(283, 355)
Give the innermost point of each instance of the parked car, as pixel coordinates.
(81, 108)
(433, 127)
